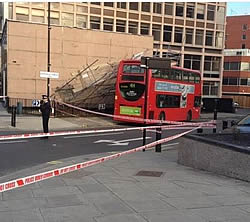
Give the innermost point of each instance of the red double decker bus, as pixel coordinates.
(173, 94)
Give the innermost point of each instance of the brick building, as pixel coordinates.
(236, 76)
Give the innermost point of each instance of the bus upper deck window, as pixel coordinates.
(134, 69)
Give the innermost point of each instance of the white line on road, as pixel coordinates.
(17, 141)
(100, 134)
(165, 146)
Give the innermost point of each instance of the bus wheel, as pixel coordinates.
(162, 116)
(189, 116)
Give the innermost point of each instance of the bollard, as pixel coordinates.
(144, 138)
(158, 137)
(224, 124)
(215, 114)
(13, 116)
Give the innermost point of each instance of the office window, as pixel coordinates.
(95, 3)
(168, 8)
(37, 15)
(133, 27)
(108, 4)
(212, 63)
(234, 66)
(179, 9)
(145, 28)
(192, 62)
(219, 39)
(244, 37)
(122, 5)
(209, 38)
(133, 6)
(167, 35)
(95, 22)
(178, 34)
(67, 19)
(108, 24)
(189, 36)
(244, 66)
(199, 37)
(54, 18)
(244, 27)
(243, 46)
(22, 14)
(200, 11)
(54, 5)
(10, 10)
(210, 12)
(220, 18)
(67, 7)
(145, 6)
(157, 8)
(156, 31)
(210, 88)
(37, 4)
(120, 26)
(81, 21)
(190, 10)
(243, 81)
(233, 81)
(156, 54)
(82, 9)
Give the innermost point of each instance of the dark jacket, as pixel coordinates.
(45, 108)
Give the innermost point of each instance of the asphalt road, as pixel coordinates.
(25, 153)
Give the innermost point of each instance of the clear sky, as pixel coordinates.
(238, 8)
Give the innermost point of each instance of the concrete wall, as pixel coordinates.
(214, 158)
(71, 50)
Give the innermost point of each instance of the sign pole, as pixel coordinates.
(145, 103)
(49, 28)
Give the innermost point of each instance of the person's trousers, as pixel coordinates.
(45, 124)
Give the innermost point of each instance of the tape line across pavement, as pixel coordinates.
(60, 171)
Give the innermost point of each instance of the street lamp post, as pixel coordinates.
(48, 68)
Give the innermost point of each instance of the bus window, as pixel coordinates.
(135, 69)
(197, 78)
(185, 76)
(191, 77)
(156, 73)
(197, 101)
(177, 74)
(167, 101)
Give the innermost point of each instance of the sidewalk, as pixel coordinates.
(112, 192)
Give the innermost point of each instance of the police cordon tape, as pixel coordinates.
(76, 132)
(17, 183)
(134, 118)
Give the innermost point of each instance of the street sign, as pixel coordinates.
(51, 75)
(35, 103)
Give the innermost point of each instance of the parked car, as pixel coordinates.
(243, 126)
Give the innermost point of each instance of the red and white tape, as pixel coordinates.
(17, 183)
(135, 118)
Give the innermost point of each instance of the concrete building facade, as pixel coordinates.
(194, 30)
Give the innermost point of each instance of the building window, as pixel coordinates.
(133, 6)
(209, 38)
(120, 26)
(67, 19)
(156, 54)
(54, 18)
(167, 35)
(210, 12)
(81, 21)
(199, 37)
(95, 22)
(200, 11)
(156, 31)
(178, 34)
(219, 39)
(67, 7)
(243, 46)
(168, 8)
(244, 27)
(37, 4)
(145, 7)
(243, 82)
(189, 36)
(210, 88)
(244, 66)
(121, 5)
(220, 18)
(192, 62)
(81, 9)
(244, 37)
(157, 8)
(190, 10)
(179, 10)
(212, 63)
(22, 14)
(233, 81)
(133, 27)
(54, 5)
(108, 24)
(95, 3)
(109, 4)
(37, 15)
(145, 28)
(232, 66)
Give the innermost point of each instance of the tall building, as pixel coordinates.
(236, 76)
(194, 30)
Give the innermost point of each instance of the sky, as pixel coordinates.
(238, 8)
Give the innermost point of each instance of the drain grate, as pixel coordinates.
(149, 173)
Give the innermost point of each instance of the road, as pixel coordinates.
(24, 153)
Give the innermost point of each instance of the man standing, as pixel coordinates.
(45, 108)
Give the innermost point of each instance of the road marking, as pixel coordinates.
(165, 146)
(17, 141)
(100, 134)
(54, 162)
(120, 142)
